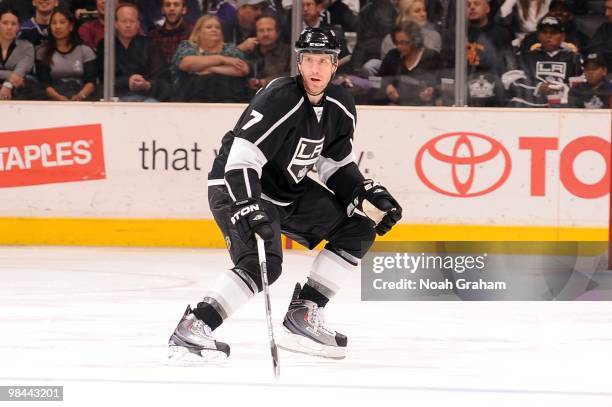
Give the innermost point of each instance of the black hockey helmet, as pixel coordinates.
(317, 41)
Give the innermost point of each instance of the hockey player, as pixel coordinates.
(259, 184)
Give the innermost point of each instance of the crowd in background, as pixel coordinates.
(520, 53)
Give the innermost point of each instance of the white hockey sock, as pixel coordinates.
(229, 293)
(330, 270)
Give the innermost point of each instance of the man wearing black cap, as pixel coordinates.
(258, 186)
(596, 92)
(542, 79)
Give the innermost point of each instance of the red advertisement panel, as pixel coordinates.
(47, 156)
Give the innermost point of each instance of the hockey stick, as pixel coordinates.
(261, 251)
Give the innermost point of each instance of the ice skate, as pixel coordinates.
(192, 342)
(306, 332)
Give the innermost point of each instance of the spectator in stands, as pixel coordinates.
(575, 39)
(241, 29)
(65, 67)
(314, 15)
(207, 69)
(337, 12)
(409, 71)
(523, 16)
(596, 92)
(601, 43)
(16, 57)
(271, 58)
(543, 75)
(36, 29)
(414, 10)
(92, 32)
(174, 30)
(376, 21)
(151, 12)
(137, 64)
(489, 56)
(312, 12)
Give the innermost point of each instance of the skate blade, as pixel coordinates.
(300, 344)
(182, 356)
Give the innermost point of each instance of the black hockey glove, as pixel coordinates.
(376, 203)
(249, 217)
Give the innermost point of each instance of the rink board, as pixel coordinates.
(135, 174)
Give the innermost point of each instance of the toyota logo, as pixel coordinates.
(463, 164)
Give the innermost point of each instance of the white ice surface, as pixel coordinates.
(96, 320)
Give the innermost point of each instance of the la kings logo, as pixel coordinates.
(550, 71)
(306, 155)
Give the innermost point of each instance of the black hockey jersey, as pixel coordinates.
(280, 137)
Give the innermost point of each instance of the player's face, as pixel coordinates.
(266, 31)
(173, 11)
(60, 26)
(127, 24)
(550, 39)
(317, 70)
(9, 26)
(609, 10)
(594, 73)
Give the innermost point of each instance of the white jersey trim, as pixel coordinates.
(279, 122)
(326, 167)
(244, 154)
(212, 182)
(349, 114)
(229, 191)
(247, 183)
(275, 202)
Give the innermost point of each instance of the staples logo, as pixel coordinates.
(46, 156)
(61, 154)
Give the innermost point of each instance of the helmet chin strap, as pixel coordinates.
(315, 94)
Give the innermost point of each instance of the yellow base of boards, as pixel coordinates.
(204, 233)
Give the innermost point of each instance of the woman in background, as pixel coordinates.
(409, 71)
(206, 69)
(523, 16)
(414, 10)
(66, 67)
(16, 57)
